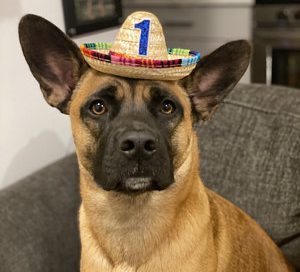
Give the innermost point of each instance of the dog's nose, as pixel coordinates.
(137, 144)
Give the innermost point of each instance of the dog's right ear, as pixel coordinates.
(54, 60)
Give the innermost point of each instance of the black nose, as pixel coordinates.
(137, 144)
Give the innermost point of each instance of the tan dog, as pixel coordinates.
(144, 207)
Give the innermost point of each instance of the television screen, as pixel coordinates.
(90, 10)
(83, 16)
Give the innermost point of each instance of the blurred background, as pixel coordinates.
(33, 135)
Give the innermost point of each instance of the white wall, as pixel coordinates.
(32, 134)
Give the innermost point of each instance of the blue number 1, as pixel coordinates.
(144, 27)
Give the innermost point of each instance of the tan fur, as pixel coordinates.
(183, 228)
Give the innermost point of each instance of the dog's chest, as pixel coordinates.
(149, 245)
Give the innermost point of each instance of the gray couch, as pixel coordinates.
(250, 154)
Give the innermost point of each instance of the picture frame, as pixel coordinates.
(84, 16)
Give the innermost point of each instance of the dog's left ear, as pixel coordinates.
(216, 75)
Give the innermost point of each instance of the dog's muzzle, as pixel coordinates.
(135, 159)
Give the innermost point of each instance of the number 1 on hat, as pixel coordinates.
(144, 26)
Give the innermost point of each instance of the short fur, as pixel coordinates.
(176, 226)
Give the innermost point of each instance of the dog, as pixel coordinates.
(144, 206)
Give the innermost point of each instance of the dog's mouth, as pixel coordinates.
(130, 176)
(136, 185)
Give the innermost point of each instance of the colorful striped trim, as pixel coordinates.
(90, 50)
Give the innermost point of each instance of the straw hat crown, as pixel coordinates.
(128, 38)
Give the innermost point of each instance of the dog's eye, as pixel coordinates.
(167, 107)
(98, 107)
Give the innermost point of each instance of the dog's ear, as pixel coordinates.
(54, 60)
(216, 75)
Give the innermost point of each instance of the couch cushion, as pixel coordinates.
(250, 154)
(38, 226)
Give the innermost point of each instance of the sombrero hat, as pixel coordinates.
(140, 51)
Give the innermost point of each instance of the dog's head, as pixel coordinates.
(130, 135)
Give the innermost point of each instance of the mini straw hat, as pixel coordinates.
(140, 51)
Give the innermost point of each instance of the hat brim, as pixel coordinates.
(179, 64)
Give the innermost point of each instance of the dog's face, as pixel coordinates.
(130, 135)
(125, 130)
